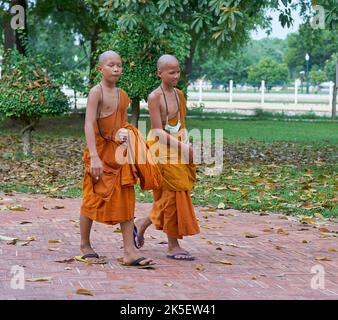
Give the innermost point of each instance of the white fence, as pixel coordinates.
(242, 100)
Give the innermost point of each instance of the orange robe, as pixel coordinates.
(172, 210)
(109, 200)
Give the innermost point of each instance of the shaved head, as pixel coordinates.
(165, 60)
(107, 54)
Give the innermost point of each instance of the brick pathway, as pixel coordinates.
(272, 256)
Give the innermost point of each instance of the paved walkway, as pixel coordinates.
(259, 256)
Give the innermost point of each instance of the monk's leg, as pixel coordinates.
(175, 251)
(85, 227)
(131, 254)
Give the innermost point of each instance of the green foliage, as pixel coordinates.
(330, 67)
(331, 13)
(269, 70)
(140, 51)
(319, 44)
(60, 52)
(26, 91)
(220, 68)
(317, 76)
(225, 24)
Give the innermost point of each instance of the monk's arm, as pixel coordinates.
(91, 114)
(156, 123)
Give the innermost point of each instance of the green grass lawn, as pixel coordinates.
(234, 130)
(275, 166)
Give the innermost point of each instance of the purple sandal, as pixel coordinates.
(138, 240)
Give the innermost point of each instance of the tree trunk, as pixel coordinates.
(27, 142)
(334, 100)
(26, 133)
(75, 102)
(8, 32)
(9, 39)
(135, 112)
(93, 48)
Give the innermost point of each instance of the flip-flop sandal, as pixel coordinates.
(138, 240)
(136, 263)
(175, 255)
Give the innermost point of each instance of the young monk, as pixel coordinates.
(104, 198)
(172, 209)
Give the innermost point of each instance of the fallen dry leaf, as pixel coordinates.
(221, 205)
(208, 209)
(40, 279)
(305, 241)
(168, 284)
(127, 287)
(224, 261)
(323, 259)
(53, 249)
(5, 238)
(212, 226)
(332, 250)
(282, 231)
(253, 278)
(200, 267)
(84, 292)
(267, 230)
(54, 241)
(58, 207)
(325, 236)
(65, 260)
(249, 235)
(24, 243)
(90, 261)
(25, 222)
(324, 230)
(234, 245)
(308, 220)
(12, 242)
(17, 208)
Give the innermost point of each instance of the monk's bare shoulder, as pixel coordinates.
(154, 97)
(95, 93)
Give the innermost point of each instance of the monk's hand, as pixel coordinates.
(96, 167)
(122, 135)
